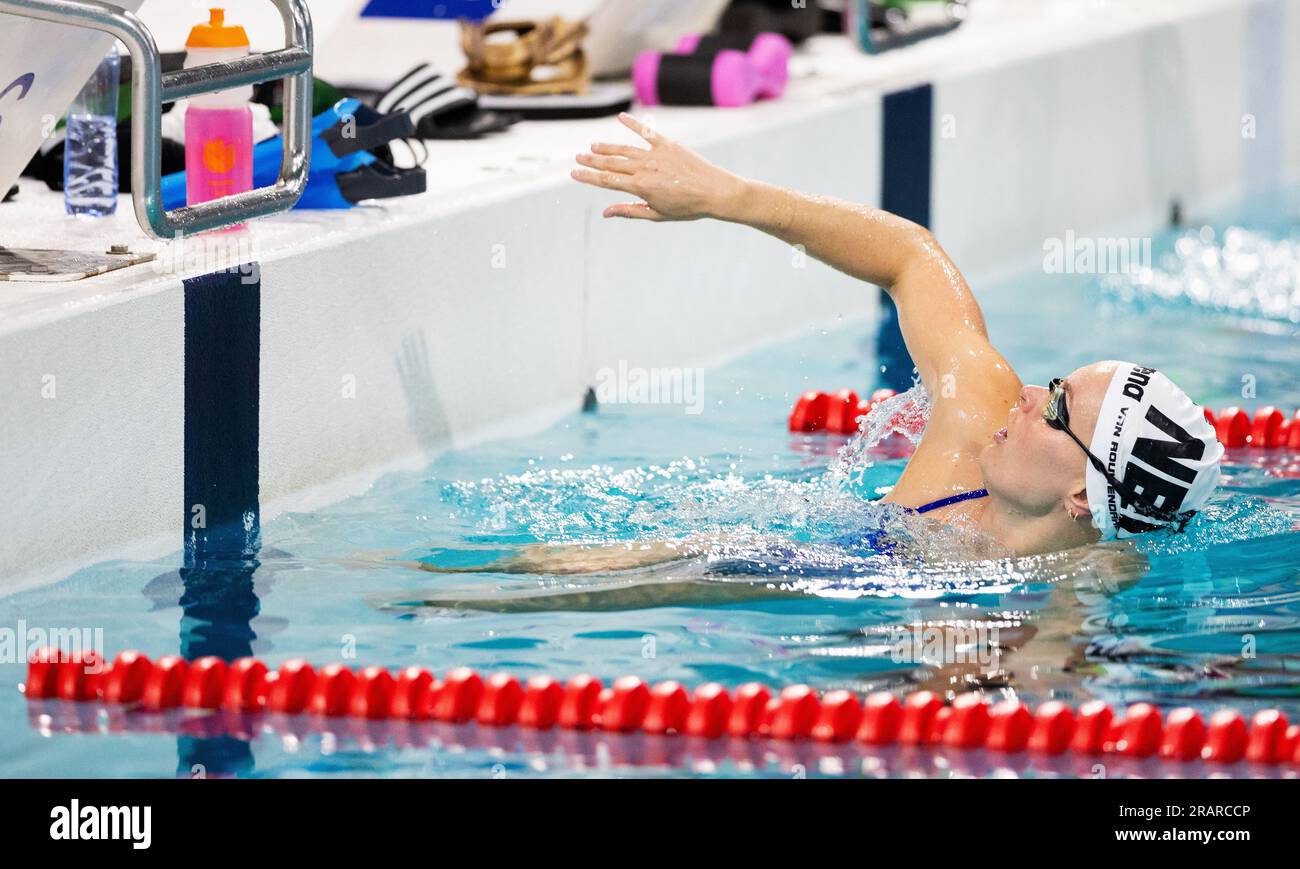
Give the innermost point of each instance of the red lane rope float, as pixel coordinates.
(630, 705)
(1269, 429)
(838, 413)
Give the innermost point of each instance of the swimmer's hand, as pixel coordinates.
(674, 182)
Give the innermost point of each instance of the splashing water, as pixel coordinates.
(599, 504)
(1247, 274)
(773, 525)
(905, 414)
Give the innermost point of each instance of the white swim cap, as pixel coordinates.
(1154, 440)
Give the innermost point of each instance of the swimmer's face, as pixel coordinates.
(1035, 468)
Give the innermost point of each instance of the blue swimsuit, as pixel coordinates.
(879, 540)
(876, 541)
(951, 499)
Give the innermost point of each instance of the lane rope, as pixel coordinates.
(838, 412)
(629, 705)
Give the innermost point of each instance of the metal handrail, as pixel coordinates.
(150, 89)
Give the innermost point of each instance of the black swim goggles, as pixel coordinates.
(1057, 416)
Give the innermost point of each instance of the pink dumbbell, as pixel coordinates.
(727, 78)
(769, 52)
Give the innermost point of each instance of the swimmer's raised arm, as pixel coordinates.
(939, 316)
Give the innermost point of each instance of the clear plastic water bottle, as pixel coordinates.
(90, 146)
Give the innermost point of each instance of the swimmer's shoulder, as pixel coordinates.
(971, 402)
(974, 399)
(970, 405)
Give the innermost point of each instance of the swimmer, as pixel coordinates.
(1110, 450)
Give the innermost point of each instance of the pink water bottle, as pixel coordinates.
(218, 127)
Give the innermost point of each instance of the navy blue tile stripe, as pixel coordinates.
(222, 350)
(906, 167)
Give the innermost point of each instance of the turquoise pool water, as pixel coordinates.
(774, 593)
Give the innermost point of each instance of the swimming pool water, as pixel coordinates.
(1206, 619)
